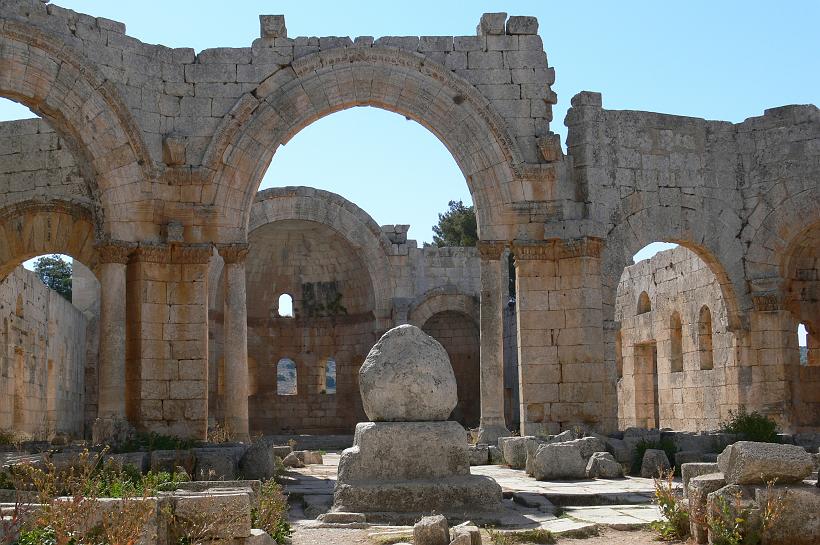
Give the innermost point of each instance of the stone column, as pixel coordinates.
(492, 424)
(560, 335)
(236, 341)
(111, 421)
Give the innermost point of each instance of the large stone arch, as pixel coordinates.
(443, 300)
(776, 237)
(35, 228)
(399, 81)
(59, 84)
(708, 232)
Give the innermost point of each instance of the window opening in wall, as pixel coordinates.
(285, 306)
(804, 340)
(676, 343)
(644, 304)
(705, 338)
(286, 378)
(330, 376)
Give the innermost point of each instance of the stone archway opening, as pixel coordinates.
(674, 352)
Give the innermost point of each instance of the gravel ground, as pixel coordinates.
(327, 536)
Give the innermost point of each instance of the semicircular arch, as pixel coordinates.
(442, 300)
(403, 82)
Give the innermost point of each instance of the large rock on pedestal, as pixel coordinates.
(749, 462)
(407, 377)
(409, 461)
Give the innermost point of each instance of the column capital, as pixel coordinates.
(491, 249)
(147, 252)
(197, 254)
(115, 251)
(234, 252)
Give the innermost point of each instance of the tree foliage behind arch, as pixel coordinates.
(456, 227)
(55, 272)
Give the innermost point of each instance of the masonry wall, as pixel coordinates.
(42, 362)
(692, 398)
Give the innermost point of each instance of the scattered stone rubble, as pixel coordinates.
(752, 477)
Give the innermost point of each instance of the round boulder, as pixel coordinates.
(407, 377)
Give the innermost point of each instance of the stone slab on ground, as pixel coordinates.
(621, 517)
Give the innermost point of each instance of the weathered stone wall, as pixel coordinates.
(678, 284)
(42, 365)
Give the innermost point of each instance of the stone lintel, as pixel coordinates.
(235, 252)
(491, 250)
(554, 249)
(768, 301)
(115, 251)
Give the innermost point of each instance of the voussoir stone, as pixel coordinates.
(407, 377)
(749, 462)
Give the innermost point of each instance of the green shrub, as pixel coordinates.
(751, 426)
(271, 515)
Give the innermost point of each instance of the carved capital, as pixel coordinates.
(195, 254)
(115, 251)
(233, 253)
(579, 247)
(491, 250)
(540, 250)
(152, 253)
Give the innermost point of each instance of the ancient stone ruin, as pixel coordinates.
(203, 306)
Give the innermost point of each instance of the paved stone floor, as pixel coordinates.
(559, 506)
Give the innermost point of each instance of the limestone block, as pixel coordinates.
(491, 23)
(749, 462)
(470, 530)
(259, 537)
(654, 461)
(216, 463)
(259, 462)
(602, 465)
(567, 435)
(272, 26)
(292, 460)
(532, 449)
(461, 539)
(799, 522)
(169, 460)
(689, 471)
(620, 450)
(698, 490)
(232, 513)
(448, 495)
(687, 457)
(138, 460)
(589, 445)
(479, 455)
(407, 377)
(496, 456)
(559, 461)
(431, 531)
(518, 24)
(398, 451)
(514, 450)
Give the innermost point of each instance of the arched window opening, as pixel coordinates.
(705, 338)
(330, 377)
(808, 345)
(285, 307)
(644, 304)
(676, 343)
(286, 377)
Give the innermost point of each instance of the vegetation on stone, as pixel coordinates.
(675, 523)
(751, 426)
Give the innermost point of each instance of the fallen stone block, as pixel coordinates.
(602, 465)
(559, 461)
(468, 529)
(228, 516)
(479, 455)
(170, 460)
(343, 517)
(216, 464)
(137, 460)
(698, 491)
(799, 520)
(292, 460)
(654, 462)
(687, 457)
(749, 462)
(514, 450)
(259, 537)
(691, 470)
(496, 456)
(259, 462)
(431, 531)
(589, 445)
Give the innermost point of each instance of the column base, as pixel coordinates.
(111, 430)
(489, 434)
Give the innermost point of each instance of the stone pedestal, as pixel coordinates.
(399, 469)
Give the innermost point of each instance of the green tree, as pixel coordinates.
(456, 227)
(55, 273)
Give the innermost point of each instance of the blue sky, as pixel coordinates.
(719, 60)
